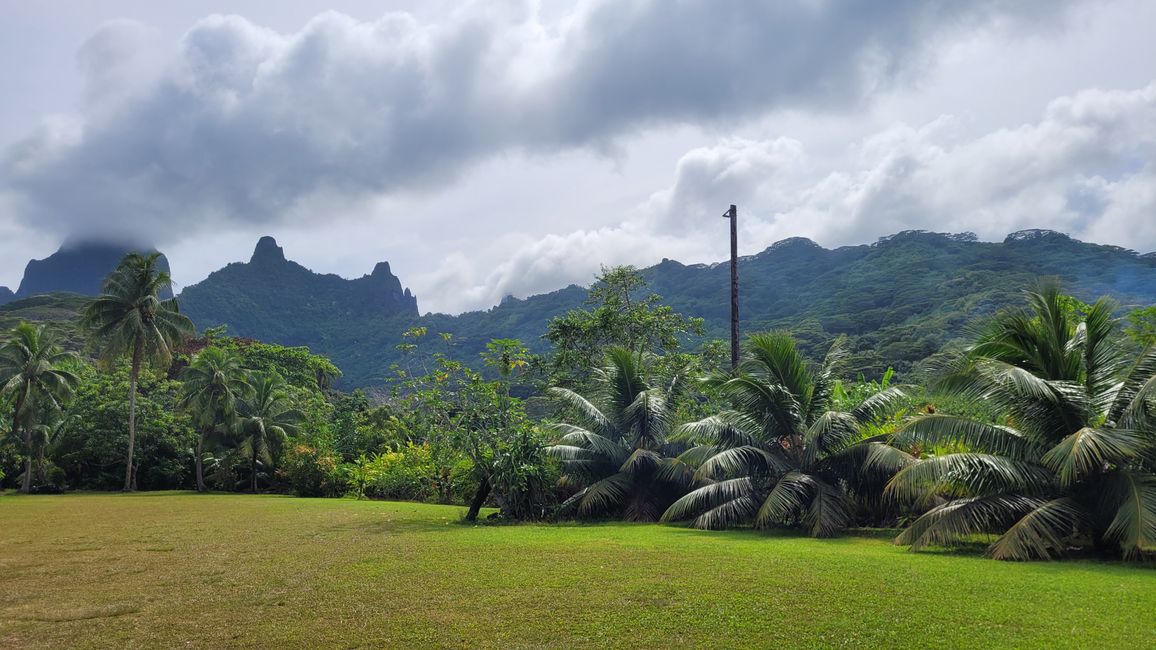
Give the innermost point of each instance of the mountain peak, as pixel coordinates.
(381, 270)
(267, 250)
(6, 295)
(79, 266)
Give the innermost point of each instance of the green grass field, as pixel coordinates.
(180, 570)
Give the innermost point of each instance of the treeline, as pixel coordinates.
(1037, 440)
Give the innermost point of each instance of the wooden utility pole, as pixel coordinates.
(733, 215)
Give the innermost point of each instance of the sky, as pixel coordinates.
(497, 147)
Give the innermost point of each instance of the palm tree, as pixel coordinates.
(33, 376)
(1072, 459)
(619, 456)
(267, 418)
(130, 319)
(781, 455)
(214, 384)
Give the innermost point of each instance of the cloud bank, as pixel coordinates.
(244, 126)
(1085, 167)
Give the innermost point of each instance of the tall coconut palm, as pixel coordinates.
(268, 417)
(129, 319)
(781, 455)
(214, 384)
(619, 455)
(33, 375)
(1072, 460)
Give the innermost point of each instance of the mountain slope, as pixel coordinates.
(899, 300)
(277, 300)
(77, 268)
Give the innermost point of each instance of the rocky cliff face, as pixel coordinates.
(278, 300)
(6, 295)
(76, 268)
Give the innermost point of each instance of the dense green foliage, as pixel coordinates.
(636, 427)
(35, 378)
(89, 450)
(1072, 460)
(618, 456)
(781, 455)
(130, 318)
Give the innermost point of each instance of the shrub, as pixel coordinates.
(409, 473)
(313, 472)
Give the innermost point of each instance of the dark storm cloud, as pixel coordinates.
(244, 125)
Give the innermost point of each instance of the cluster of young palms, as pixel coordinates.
(779, 455)
(1069, 463)
(248, 414)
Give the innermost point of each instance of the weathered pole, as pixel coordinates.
(733, 215)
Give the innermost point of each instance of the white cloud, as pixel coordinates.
(241, 125)
(1085, 167)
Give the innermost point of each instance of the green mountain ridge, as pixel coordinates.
(899, 300)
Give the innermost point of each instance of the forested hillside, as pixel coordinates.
(899, 300)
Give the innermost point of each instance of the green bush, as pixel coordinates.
(313, 472)
(409, 473)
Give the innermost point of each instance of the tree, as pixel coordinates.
(781, 454)
(268, 417)
(1072, 461)
(33, 375)
(214, 383)
(619, 456)
(457, 410)
(1141, 326)
(129, 319)
(616, 315)
(90, 449)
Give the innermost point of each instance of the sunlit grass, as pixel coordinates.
(169, 570)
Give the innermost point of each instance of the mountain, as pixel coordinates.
(280, 301)
(6, 295)
(60, 309)
(77, 268)
(898, 300)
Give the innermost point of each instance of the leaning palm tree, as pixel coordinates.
(214, 384)
(268, 417)
(33, 375)
(1071, 462)
(619, 456)
(129, 319)
(781, 455)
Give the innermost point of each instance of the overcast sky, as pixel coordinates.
(495, 148)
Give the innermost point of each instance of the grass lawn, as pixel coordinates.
(175, 569)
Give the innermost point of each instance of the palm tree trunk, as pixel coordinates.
(26, 484)
(201, 461)
(253, 468)
(134, 373)
(40, 464)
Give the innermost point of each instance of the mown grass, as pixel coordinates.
(169, 570)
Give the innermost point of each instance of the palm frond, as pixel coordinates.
(969, 474)
(936, 429)
(709, 497)
(957, 520)
(1134, 523)
(1042, 533)
(1090, 450)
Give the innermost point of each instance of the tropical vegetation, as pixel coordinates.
(1070, 462)
(1034, 440)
